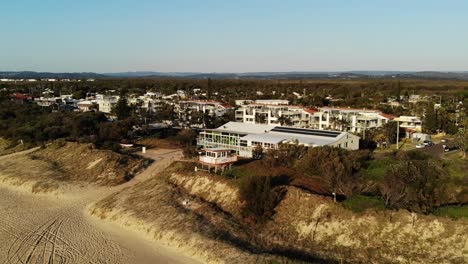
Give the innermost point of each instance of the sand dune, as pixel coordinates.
(56, 228)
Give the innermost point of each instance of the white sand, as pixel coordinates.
(58, 229)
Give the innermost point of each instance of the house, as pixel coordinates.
(411, 124)
(217, 158)
(87, 105)
(243, 138)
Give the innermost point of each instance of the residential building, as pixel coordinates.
(411, 124)
(245, 137)
(272, 112)
(272, 102)
(148, 102)
(349, 119)
(186, 110)
(87, 105)
(106, 102)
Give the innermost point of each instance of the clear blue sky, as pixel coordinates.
(233, 36)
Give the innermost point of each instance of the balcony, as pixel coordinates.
(218, 160)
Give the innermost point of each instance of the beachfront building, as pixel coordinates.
(217, 158)
(274, 112)
(243, 138)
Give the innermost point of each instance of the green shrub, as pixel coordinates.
(377, 168)
(455, 212)
(360, 203)
(260, 195)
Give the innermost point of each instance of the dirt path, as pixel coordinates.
(55, 229)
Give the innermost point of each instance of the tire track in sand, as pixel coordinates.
(43, 246)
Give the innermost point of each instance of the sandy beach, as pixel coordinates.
(50, 228)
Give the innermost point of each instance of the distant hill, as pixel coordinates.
(40, 75)
(247, 75)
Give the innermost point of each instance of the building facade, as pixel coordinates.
(244, 138)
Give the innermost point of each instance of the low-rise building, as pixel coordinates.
(87, 105)
(244, 138)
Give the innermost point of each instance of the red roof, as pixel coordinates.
(349, 108)
(311, 110)
(388, 116)
(21, 96)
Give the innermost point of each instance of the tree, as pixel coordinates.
(260, 118)
(431, 122)
(417, 185)
(390, 131)
(338, 168)
(122, 110)
(285, 120)
(461, 140)
(260, 196)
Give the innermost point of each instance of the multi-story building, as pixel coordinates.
(274, 113)
(186, 110)
(212, 108)
(411, 124)
(323, 118)
(106, 102)
(349, 119)
(149, 102)
(244, 138)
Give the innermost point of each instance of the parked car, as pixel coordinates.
(428, 143)
(449, 148)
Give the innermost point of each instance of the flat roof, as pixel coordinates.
(216, 149)
(276, 134)
(244, 128)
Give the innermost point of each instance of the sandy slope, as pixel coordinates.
(48, 228)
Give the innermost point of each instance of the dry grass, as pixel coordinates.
(315, 223)
(158, 143)
(189, 211)
(304, 226)
(58, 165)
(9, 147)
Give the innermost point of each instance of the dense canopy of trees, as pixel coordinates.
(33, 124)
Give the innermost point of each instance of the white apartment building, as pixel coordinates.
(273, 113)
(349, 119)
(106, 102)
(212, 108)
(147, 102)
(323, 118)
(272, 102)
